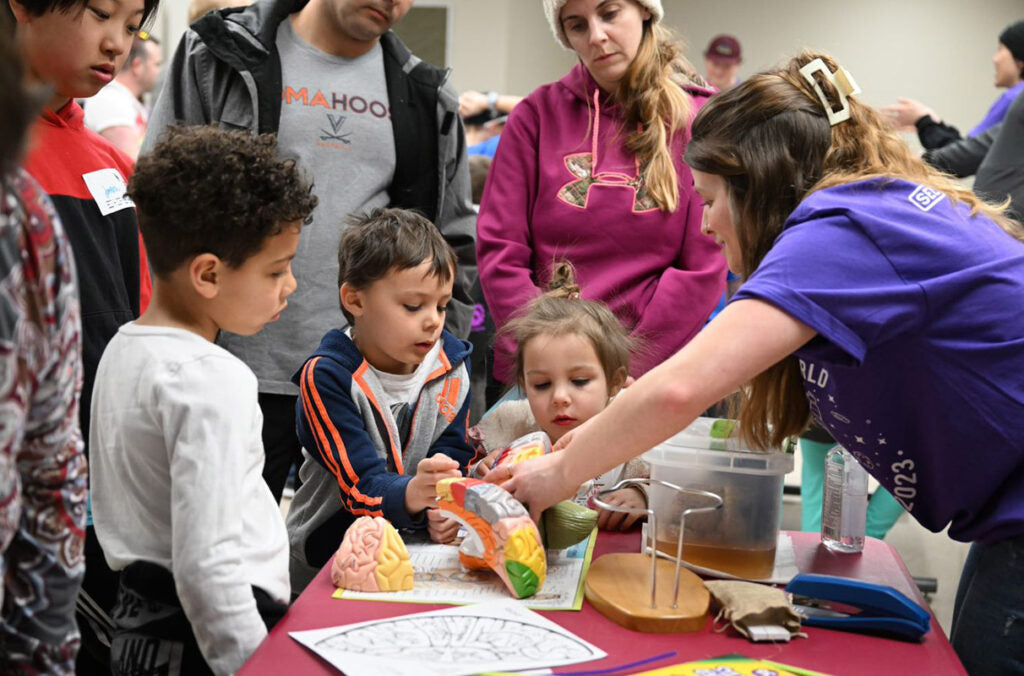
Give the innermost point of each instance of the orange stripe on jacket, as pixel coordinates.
(453, 393)
(318, 432)
(310, 386)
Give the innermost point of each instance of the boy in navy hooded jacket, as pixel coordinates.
(383, 404)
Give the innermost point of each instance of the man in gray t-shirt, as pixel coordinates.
(371, 123)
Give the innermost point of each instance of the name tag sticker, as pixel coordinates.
(108, 189)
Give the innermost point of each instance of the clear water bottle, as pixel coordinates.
(844, 504)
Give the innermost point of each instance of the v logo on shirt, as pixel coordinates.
(336, 122)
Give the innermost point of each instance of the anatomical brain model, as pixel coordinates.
(500, 534)
(372, 558)
(564, 524)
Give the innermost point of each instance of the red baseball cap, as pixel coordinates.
(724, 49)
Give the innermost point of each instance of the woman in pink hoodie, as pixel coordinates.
(590, 169)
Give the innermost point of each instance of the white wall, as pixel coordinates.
(938, 51)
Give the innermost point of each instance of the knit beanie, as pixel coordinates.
(1012, 36)
(552, 8)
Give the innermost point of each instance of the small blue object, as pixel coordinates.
(881, 608)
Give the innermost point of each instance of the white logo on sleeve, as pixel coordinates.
(108, 188)
(925, 198)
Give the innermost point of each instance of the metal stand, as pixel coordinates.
(615, 583)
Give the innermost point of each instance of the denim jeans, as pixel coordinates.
(988, 618)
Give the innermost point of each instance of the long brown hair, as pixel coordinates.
(770, 139)
(657, 107)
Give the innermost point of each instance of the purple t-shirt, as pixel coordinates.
(918, 366)
(998, 110)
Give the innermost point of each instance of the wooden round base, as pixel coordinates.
(619, 586)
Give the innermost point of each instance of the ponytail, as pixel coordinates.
(656, 105)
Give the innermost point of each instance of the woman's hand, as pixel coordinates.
(538, 483)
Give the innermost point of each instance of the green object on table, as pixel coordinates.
(565, 524)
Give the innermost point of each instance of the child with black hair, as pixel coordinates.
(383, 405)
(181, 508)
(76, 47)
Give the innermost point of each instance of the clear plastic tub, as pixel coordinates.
(739, 538)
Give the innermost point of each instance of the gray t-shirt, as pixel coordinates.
(336, 122)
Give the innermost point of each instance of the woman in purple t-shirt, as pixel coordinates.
(881, 299)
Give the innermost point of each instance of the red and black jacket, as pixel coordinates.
(113, 275)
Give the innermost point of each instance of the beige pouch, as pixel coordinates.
(751, 607)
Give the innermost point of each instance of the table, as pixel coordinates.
(824, 650)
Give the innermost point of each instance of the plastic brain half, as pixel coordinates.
(501, 536)
(372, 558)
(566, 523)
(528, 447)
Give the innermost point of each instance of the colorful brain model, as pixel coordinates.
(372, 558)
(531, 446)
(566, 523)
(501, 536)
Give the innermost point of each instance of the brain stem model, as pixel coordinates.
(501, 536)
(372, 558)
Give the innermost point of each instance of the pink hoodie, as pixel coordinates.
(563, 185)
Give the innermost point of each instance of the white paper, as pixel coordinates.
(440, 578)
(108, 188)
(784, 570)
(501, 635)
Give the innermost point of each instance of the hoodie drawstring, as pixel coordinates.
(596, 134)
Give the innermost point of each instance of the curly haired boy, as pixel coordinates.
(179, 503)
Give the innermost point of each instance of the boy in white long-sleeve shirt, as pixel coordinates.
(179, 503)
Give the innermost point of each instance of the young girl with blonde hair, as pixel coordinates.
(881, 299)
(572, 357)
(590, 169)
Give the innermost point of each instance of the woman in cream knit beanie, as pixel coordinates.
(552, 9)
(590, 169)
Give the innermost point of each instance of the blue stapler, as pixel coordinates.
(852, 605)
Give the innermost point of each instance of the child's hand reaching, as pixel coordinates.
(420, 492)
(630, 497)
(442, 529)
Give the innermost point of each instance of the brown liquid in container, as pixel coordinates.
(753, 564)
